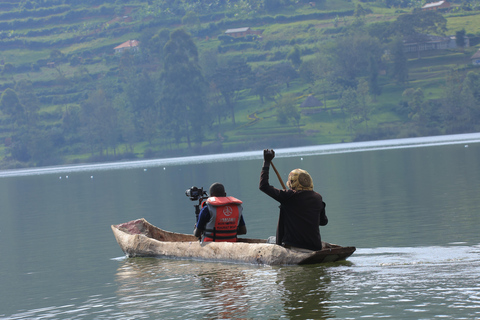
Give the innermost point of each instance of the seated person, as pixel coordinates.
(302, 210)
(221, 217)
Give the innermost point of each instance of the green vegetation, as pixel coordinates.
(188, 88)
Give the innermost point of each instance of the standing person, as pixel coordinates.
(302, 210)
(221, 217)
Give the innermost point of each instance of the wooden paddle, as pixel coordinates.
(280, 224)
(278, 176)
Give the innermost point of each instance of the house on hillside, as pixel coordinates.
(311, 102)
(436, 5)
(127, 45)
(241, 32)
(432, 42)
(311, 105)
(476, 58)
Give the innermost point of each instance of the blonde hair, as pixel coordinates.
(300, 179)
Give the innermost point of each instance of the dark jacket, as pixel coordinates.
(301, 214)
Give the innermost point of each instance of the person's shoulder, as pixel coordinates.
(289, 193)
(310, 193)
(205, 210)
(234, 200)
(218, 201)
(317, 195)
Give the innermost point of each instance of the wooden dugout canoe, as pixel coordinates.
(139, 238)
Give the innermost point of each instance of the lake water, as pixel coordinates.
(411, 207)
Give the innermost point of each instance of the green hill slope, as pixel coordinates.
(67, 96)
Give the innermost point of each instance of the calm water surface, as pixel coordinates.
(411, 207)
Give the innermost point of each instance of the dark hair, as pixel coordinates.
(217, 190)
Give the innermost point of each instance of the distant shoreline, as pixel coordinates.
(251, 155)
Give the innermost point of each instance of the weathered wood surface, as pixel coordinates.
(138, 238)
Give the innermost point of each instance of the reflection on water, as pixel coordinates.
(397, 283)
(173, 289)
(307, 292)
(222, 291)
(226, 290)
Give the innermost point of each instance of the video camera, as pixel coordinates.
(195, 194)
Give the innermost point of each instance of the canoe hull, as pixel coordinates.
(138, 238)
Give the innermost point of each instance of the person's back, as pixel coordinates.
(221, 217)
(225, 214)
(302, 210)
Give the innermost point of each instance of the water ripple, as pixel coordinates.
(398, 283)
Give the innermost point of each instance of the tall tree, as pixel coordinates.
(230, 79)
(373, 84)
(183, 89)
(415, 99)
(295, 56)
(287, 111)
(471, 96)
(264, 86)
(454, 112)
(323, 69)
(352, 54)
(381, 30)
(400, 66)
(360, 12)
(153, 44)
(364, 102)
(141, 91)
(457, 103)
(71, 120)
(460, 39)
(10, 105)
(99, 118)
(271, 80)
(284, 73)
(27, 97)
(125, 118)
(349, 104)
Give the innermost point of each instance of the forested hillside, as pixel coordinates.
(213, 76)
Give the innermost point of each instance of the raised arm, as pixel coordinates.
(265, 186)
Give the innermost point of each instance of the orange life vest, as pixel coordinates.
(225, 213)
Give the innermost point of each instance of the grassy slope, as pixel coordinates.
(428, 73)
(326, 127)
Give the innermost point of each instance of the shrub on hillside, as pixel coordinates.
(224, 39)
(8, 68)
(237, 46)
